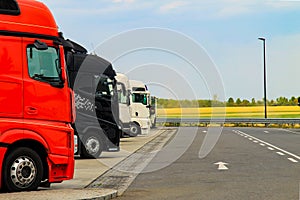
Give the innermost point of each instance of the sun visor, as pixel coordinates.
(9, 7)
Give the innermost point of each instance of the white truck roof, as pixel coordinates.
(137, 84)
(122, 78)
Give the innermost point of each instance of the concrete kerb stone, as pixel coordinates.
(66, 194)
(120, 177)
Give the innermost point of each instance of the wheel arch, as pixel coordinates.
(89, 129)
(136, 122)
(34, 145)
(100, 136)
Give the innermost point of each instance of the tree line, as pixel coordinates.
(231, 102)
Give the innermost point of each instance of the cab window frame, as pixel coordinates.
(54, 69)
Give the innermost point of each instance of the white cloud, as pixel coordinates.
(173, 5)
(203, 8)
(234, 10)
(283, 4)
(123, 1)
(229, 8)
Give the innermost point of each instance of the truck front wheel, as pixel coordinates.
(91, 146)
(135, 130)
(22, 170)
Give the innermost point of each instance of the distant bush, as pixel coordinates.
(171, 103)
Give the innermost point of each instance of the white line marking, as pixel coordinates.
(280, 153)
(250, 139)
(270, 148)
(293, 160)
(273, 146)
(262, 144)
(246, 136)
(266, 131)
(255, 141)
(204, 131)
(288, 131)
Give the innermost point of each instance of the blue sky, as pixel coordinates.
(226, 29)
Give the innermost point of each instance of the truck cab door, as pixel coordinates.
(11, 100)
(46, 96)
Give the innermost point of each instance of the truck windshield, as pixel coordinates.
(43, 65)
(139, 98)
(105, 86)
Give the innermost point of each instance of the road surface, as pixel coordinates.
(246, 163)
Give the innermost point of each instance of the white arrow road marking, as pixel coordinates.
(222, 165)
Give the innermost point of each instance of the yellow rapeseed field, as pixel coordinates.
(232, 112)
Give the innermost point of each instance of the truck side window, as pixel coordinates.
(122, 98)
(122, 95)
(104, 86)
(43, 65)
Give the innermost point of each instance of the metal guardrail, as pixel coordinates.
(229, 120)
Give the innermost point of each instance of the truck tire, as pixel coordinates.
(22, 170)
(91, 146)
(135, 130)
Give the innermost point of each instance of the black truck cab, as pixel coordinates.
(92, 79)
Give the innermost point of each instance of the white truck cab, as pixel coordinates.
(140, 104)
(124, 99)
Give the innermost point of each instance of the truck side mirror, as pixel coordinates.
(152, 111)
(123, 89)
(298, 101)
(128, 100)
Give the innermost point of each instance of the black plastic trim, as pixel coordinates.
(8, 11)
(2, 144)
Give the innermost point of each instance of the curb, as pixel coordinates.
(124, 173)
(110, 195)
(65, 194)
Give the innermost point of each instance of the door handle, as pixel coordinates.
(31, 110)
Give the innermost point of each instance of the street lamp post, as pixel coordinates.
(265, 76)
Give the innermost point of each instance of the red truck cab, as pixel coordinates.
(36, 137)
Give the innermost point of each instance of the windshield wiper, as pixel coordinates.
(38, 76)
